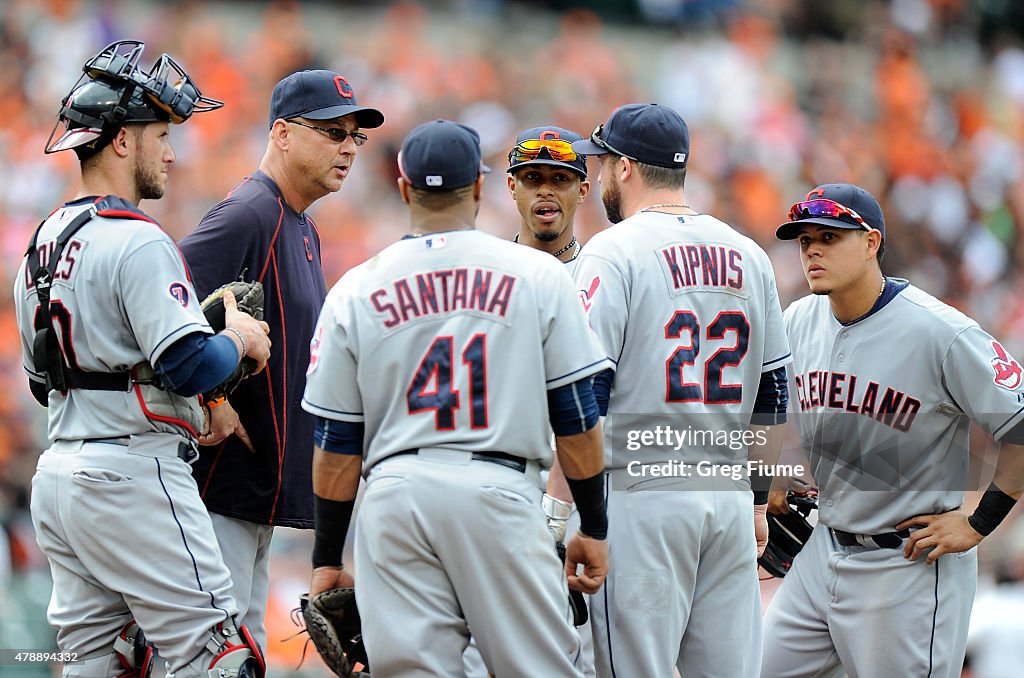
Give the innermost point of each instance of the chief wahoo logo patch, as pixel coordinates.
(1008, 371)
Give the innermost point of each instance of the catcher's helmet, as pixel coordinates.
(787, 534)
(113, 91)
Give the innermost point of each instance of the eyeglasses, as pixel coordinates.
(596, 138)
(826, 208)
(335, 134)
(559, 150)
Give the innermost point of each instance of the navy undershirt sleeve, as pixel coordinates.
(772, 398)
(196, 363)
(603, 389)
(572, 408)
(340, 437)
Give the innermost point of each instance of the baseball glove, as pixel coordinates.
(332, 620)
(787, 533)
(249, 297)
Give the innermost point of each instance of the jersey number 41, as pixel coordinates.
(432, 385)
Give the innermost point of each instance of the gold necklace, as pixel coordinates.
(665, 204)
(572, 243)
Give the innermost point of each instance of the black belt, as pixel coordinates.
(885, 540)
(185, 451)
(515, 463)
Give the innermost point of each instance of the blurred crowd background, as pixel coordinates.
(920, 101)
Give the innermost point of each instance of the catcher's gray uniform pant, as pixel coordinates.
(126, 535)
(682, 589)
(443, 540)
(246, 550)
(870, 612)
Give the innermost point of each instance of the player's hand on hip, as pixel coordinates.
(761, 528)
(593, 555)
(327, 578)
(942, 533)
(254, 332)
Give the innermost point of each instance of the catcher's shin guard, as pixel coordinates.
(133, 652)
(235, 653)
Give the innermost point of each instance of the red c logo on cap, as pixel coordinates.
(550, 134)
(820, 192)
(344, 89)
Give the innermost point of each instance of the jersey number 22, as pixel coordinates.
(714, 391)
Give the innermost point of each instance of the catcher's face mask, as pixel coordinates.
(113, 90)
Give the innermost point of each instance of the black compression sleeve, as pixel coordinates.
(994, 506)
(589, 497)
(332, 519)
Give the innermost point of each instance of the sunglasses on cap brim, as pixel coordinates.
(830, 209)
(596, 139)
(531, 149)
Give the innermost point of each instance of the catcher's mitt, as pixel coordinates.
(249, 298)
(787, 533)
(580, 613)
(332, 620)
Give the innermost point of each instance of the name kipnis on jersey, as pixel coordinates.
(839, 391)
(434, 293)
(707, 266)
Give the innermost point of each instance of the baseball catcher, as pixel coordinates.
(787, 533)
(332, 620)
(249, 298)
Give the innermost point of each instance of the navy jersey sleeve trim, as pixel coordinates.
(328, 413)
(768, 365)
(557, 381)
(1011, 425)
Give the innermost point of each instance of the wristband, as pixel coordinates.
(994, 506)
(589, 497)
(331, 519)
(760, 497)
(216, 402)
(241, 340)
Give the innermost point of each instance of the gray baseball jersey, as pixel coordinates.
(684, 307)
(883, 406)
(121, 295)
(417, 341)
(687, 310)
(116, 473)
(445, 345)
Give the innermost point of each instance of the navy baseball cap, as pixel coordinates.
(648, 133)
(441, 155)
(831, 205)
(319, 95)
(539, 146)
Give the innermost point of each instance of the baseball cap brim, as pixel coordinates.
(791, 230)
(366, 117)
(588, 147)
(542, 161)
